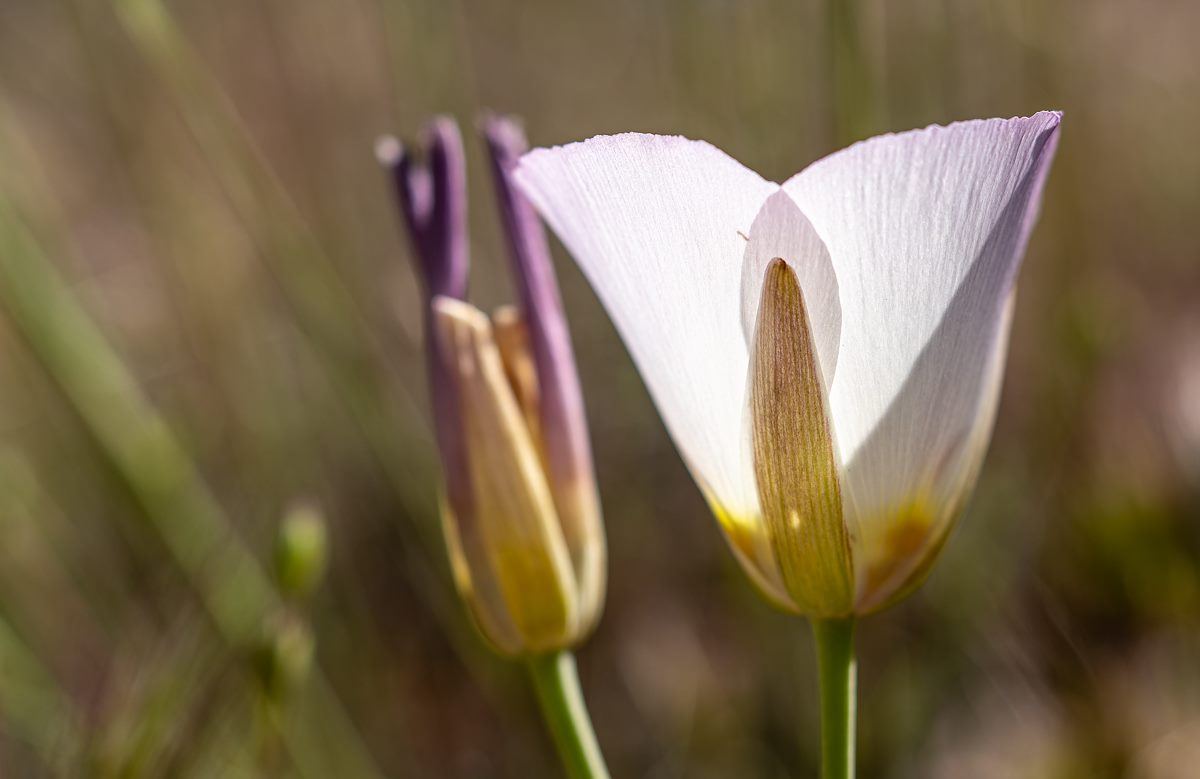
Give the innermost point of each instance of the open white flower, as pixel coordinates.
(827, 353)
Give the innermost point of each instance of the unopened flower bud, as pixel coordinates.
(521, 513)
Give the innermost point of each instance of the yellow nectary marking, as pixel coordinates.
(891, 558)
(747, 538)
(900, 561)
(794, 459)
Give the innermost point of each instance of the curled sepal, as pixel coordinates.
(795, 458)
(511, 560)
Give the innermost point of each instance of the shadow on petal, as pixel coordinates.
(907, 481)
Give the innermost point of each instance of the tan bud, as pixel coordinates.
(510, 557)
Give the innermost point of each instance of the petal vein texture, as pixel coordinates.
(657, 224)
(926, 230)
(906, 248)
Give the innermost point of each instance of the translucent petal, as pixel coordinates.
(657, 225)
(926, 230)
(781, 231)
(897, 551)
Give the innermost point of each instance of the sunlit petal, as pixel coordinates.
(781, 231)
(926, 230)
(657, 224)
(897, 553)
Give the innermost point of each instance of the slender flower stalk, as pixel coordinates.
(556, 682)
(838, 675)
(521, 514)
(826, 353)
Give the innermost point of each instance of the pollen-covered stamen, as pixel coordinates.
(795, 459)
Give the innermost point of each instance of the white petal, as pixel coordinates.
(656, 224)
(926, 230)
(898, 549)
(781, 230)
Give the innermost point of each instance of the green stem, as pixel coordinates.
(557, 684)
(838, 673)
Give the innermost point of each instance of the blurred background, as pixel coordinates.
(210, 350)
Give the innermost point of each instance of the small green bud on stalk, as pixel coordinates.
(301, 551)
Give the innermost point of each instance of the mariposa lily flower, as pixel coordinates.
(521, 514)
(826, 353)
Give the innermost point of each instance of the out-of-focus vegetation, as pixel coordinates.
(209, 340)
